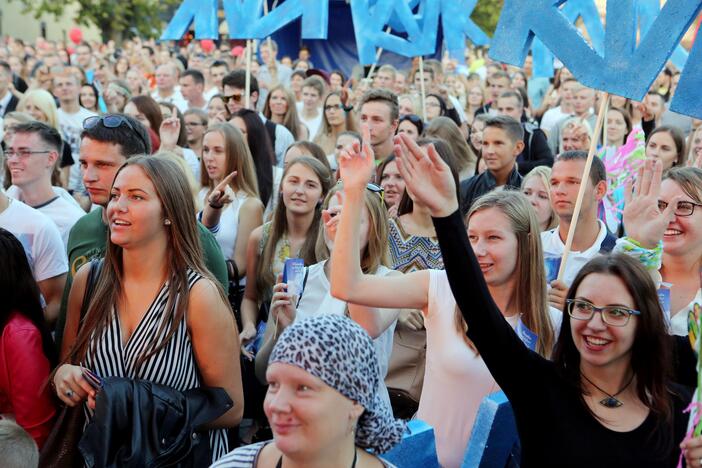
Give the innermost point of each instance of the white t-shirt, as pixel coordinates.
(312, 124)
(192, 161)
(176, 99)
(228, 223)
(71, 126)
(64, 211)
(551, 117)
(40, 238)
(317, 300)
(678, 322)
(553, 245)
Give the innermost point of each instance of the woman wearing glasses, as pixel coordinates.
(605, 399)
(504, 230)
(336, 118)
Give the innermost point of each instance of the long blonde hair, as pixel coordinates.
(529, 293)
(376, 253)
(544, 175)
(43, 100)
(291, 120)
(238, 158)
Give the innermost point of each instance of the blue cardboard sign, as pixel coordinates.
(624, 68)
(494, 440)
(246, 20)
(417, 448)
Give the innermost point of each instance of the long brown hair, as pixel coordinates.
(291, 121)
(183, 253)
(326, 136)
(529, 292)
(279, 226)
(238, 158)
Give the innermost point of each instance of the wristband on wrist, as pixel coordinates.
(649, 258)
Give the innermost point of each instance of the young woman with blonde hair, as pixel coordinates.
(280, 108)
(503, 228)
(536, 187)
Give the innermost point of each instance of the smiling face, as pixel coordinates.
(392, 183)
(301, 189)
(599, 344)
(134, 212)
(683, 237)
(499, 152)
(87, 97)
(26, 171)
(495, 245)
(616, 127)
(306, 415)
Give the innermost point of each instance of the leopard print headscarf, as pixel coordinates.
(340, 353)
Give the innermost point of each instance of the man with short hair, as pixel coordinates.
(380, 110)
(400, 85)
(104, 148)
(385, 77)
(310, 109)
(71, 116)
(192, 84)
(42, 244)
(503, 141)
(497, 83)
(564, 109)
(195, 127)
(218, 70)
(536, 151)
(8, 101)
(84, 59)
(31, 158)
(234, 85)
(166, 81)
(591, 236)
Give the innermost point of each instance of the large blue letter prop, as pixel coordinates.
(246, 20)
(625, 69)
(494, 438)
(202, 12)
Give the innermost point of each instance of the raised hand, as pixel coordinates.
(331, 217)
(644, 221)
(169, 132)
(222, 193)
(426, 176)
(357, 163)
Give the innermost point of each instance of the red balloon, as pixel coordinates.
(207, 45)
(75, 35)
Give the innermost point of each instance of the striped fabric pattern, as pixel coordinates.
(174, 365)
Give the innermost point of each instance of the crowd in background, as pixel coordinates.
(149, 206)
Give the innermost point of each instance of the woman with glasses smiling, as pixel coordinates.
(606, 399)
(337, 118)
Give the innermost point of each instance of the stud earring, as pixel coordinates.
(167, 222)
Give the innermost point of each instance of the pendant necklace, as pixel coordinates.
(610, 401)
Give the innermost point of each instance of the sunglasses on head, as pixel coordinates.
(113, 121)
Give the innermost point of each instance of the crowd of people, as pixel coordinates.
(151, 214)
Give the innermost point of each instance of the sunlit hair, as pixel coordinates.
(187, 173)
(446, 129)
(571, 124)
(44, 101)
(279, 226)
(416, 108)
(291, 120)
(543, 173)
(183, 253)
(237, 158)
(375, 253)
(529, 295)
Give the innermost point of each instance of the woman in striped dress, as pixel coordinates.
(156, 314)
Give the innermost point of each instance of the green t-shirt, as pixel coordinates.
(88, 240)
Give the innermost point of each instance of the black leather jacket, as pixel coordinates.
(140, 423)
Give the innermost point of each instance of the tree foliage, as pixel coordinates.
(114, 18)
(487, 13)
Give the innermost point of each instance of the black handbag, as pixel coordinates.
(235, 292)
(61, 447)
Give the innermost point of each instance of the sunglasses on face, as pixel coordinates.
(233, 97)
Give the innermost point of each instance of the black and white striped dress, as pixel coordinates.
(174, 365)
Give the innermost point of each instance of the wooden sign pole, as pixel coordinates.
(422, 90)
(583, 184)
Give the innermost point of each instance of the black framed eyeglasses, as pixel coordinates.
(113, 121)
(23, 153)
(685, 208)
(616, 316)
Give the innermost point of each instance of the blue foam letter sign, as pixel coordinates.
(625, 69)
(246, 20)
(202, 12)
